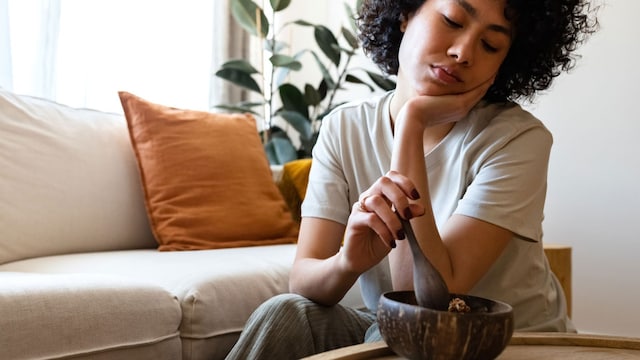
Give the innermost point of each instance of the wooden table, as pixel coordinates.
(523, 346)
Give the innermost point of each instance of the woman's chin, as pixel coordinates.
(434, 90)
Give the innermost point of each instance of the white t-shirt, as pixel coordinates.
(491, 166)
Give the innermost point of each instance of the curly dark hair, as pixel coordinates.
(547, 33)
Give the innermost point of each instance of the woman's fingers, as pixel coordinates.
(392, 192)
(362, 216)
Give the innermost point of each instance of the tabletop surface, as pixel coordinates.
(523, 346)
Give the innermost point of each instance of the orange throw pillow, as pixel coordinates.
(206, 178)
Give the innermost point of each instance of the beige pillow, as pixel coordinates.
(206, 178)
(68, 181)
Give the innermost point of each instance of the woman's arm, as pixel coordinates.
(317, 272)
(323, 270)
(466, 247)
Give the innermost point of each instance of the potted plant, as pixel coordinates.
(303, 107)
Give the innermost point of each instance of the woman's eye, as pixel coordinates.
(450, 22)
(489, 48)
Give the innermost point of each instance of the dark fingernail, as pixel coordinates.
(415, 195)
(407, 214)
(400, 235)
(392, 244)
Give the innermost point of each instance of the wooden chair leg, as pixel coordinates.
(559, 257)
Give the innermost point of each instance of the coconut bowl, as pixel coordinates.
(416, 332)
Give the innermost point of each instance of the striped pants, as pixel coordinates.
(290, 326)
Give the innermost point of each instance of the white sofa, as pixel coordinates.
(80, 276)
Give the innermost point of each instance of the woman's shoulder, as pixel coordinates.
(358, 128)
(367, 109)
(505, 120)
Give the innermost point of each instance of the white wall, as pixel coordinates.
(593, 202)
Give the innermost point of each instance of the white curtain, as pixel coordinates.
(81, 53)
(26, 67)
(233, 44)
(6, 78)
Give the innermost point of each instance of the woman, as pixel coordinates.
(448, 149)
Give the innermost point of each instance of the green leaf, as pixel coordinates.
(285, 61)
(275, 46)
(328, 43)
(355, 80)
(278, 5)
(326, 76)
(350, 37)
(235, 109)
(311, 95)
(239, 78)
(244, 11)
(293, 100)
(298, 121)
(349, 52)
(323, 89)
(303, 23)
(351, 16)
(251, 104)
(280, 150)
(325, 39)
(307, 145)
(381, 81)
(241, 107)
(241, 65)
(281, 73)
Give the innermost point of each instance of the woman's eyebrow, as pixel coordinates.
(474, 13)
(468, 7)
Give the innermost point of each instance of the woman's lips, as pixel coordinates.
(447, 76)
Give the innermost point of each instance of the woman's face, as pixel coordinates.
(453, 46)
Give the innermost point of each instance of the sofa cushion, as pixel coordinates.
(94, 316)
(68, 182)
(217, 289)
(206, 178)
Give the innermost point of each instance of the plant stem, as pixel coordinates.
(341, 76)
(269, 82)
(265, 110)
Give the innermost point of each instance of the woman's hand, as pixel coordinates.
(441, 109)
(374, 226)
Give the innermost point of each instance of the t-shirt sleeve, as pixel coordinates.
(327, 191)
(508, 187)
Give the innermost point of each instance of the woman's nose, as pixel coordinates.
(462, 50)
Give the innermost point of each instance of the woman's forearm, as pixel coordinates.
(324, 281)
(408, 159)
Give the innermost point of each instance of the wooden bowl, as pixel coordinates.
(416, 332)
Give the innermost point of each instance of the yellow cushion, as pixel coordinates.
(206, 178)
(293, 185)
